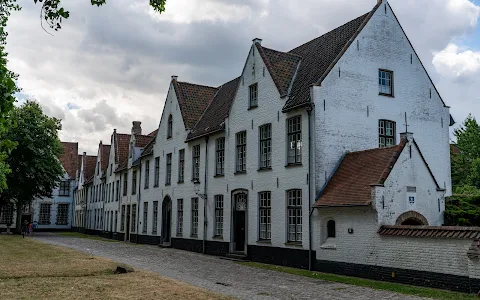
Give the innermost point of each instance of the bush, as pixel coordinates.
(462, 210)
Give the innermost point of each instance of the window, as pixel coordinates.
(386, 133)
(157, 172)
(44, 214)
(145, 216)
(147, 173)
(116, 220)
(134, 182)
(125, 183)
(181, 165)
(194, 216)
(117, 190)
(108, 192)
(64, 188)
(134, 217)
(62, 214)
(294, 215)
(111, 221)
(266, 146)
(122, 224)
(219, 215)
(98, 168)
(111, 169)
(168, 173)
(331, 229)
(220, 156)
(155, 217)
(241, 151)
(265, 216)
(385, 82)
(170, 127)
(180, 216)
(6, 214)
(113, 191)
(196, 162)
(294, 127)
(253, 95)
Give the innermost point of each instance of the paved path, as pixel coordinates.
(219, 275)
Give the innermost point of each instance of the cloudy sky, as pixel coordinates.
(111, 65)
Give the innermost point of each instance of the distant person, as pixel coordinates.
(27, 225)
(23, 229)
(35, 225)
(30, 228)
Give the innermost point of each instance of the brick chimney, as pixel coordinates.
(174, 77)
(257, 40)
(137, 128)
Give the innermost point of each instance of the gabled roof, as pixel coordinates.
(89, 167)
(351, 183)
(192, 99)
(105, 155)
(122, 146)
(69, 158)
(142, 140)
(148, 148)
(319, 55)
(282, 67)
(215, 114)
(153, 133)
(452, 232)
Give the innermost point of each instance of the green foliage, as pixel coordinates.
(463, 210)
(35, 164)
(466, 164)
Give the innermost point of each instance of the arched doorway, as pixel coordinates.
(239, 211)
(412, 218)
(166, 220)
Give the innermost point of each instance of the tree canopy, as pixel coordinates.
(35, 164)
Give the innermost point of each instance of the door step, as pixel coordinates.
(236, 256)
(165, 245)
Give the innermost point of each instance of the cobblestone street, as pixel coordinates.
(219, 275)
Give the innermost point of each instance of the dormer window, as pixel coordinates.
(253, 95)
(170, 127)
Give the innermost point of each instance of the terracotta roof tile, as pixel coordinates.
(215, 114)
(69, 158)
(148, 148)
(320, 55)
(351, 183)
(153, 133)
(282, 66)
(105, 150)
(122, 146)
(472, 233)
(142, 140)
(192, 99)
(89, 167)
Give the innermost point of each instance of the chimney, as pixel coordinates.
(137, 128)
(406, 135)
(174, 77)
(257, 40)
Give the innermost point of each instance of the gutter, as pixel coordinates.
(139, 197)
(205, 198)
(309, 111)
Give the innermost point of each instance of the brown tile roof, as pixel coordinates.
(192, 99)
(215, 114)
(105, 150)
(351, 183)
(320, 55)
(69, 158)
(153, 133)
(453, 232)
(122, 146)
(142, 140)
(89, 167)
(282, 66)
(148, 148)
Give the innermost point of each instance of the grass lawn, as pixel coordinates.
(33, 270)
(85, 236)
(379, 285)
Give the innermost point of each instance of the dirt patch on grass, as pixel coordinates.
(34, 270)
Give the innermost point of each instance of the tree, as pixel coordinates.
(35, 164)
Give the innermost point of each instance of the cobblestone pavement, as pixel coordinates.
(219, 275)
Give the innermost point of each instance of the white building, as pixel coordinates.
(83, 192)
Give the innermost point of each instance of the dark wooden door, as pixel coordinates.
(166, 220)
(239, 230)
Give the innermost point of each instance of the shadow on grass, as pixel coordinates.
(378, 285)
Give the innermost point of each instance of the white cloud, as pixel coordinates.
(453, 62)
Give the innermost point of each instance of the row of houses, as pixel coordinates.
(333, 156)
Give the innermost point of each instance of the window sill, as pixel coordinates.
(63, 195)
(194, 236)
(294, 244)
(218, 237)
(386, 95)
(252, 107)
(294, 165)
(180, 182)
(264, 169)
(168, 184)
(329, 246)
(179, 234)
(196, 181)
(155, 186)
(145, 187)
(267, 242)
(219, 176)
(240, 172)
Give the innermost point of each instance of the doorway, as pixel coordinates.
(127, 224)
(166, 220)
(239, 221)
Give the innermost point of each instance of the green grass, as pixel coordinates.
(378, 285)
(85, 236)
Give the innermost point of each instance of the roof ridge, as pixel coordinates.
(288, 53)
(202, 85)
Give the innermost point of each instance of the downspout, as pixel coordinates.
(205, 197)
(139, 197)
(309, 109)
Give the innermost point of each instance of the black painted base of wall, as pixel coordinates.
(421, 278)
(294, 258)
(148, 239)
(53, 230)
(92, 232)
(133, 238)
(118, 236)
(217, 248)
(187, 244)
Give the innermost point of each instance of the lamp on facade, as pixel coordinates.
(196, 183)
